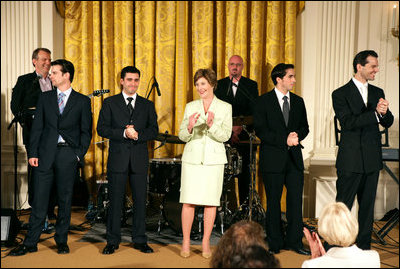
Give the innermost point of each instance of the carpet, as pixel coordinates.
(166, 236)
(162, 226)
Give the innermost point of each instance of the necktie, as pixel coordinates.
(285, 109)
(129, 105)
(61, 103)
(364, 91)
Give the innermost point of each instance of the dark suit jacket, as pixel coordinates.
(113, 118)
(25, 95)
(244, 100)
(74, 125)
(360, 147)
(270, 127)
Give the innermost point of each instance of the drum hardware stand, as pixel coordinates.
(392, 222)
(162, 220)
(162, 216)
(224, 211)
(252, 202)
(100, 209)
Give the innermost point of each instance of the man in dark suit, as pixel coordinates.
(60, 138)
(280, 121)
(24, 98)
(360, 107)
(128, 121)
(241, 93)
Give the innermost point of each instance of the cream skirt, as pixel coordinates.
(201, 184)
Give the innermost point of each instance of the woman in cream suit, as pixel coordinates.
(207, 123)
(339, 229)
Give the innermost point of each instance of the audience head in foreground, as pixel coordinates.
(339, 228)
(240, 247)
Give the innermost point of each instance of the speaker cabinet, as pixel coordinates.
(10, 227)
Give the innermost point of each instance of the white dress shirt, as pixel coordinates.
(280, 97)
(132, 103)
(67, 94)
(363, 89)
(235, 87)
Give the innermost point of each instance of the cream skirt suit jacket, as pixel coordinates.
(204, 155)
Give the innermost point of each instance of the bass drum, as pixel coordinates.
(162, 172)
(173, 209)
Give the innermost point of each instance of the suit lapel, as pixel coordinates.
(122, 105)
(70, 103)
(372, 98)
(356, 97)
(54, 102)
(292, 108)
(138, 107)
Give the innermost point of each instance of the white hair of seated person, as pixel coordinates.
(337, 225)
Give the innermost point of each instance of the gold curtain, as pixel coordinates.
(170, 40)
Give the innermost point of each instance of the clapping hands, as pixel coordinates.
(210, 118)
(130, 132)
(292, 139)
(192, 121)
(316, 247)
(382, 106)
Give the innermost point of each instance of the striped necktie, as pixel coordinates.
(61, 103)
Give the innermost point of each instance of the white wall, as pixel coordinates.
(25, 26)
(330, 33)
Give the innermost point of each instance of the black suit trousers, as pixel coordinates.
(293, 179)
(62, 173)
(31, 194)
(117, 186)
(350, 184)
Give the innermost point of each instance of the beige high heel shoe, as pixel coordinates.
(185, 254)
(206, 255)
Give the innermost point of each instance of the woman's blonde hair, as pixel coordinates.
(337, 226)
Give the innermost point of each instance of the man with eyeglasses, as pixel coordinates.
(241, 93)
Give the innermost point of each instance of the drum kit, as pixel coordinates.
(164, 186)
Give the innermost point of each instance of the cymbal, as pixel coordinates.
(255, 142)
(242, 120)
(162, 137)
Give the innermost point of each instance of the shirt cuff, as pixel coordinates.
(378, 116)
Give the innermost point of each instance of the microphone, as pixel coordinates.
(155, 83)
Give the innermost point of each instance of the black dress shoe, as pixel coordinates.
(143, 247)
(110, 249)
(22, 250)
(273, 251)
(301, 251)
(62, 248)
(51, 216)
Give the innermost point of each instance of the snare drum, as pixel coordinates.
(163, 173)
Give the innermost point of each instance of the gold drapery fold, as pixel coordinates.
(169, 41)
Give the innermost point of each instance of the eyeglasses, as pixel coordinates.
(233, 64)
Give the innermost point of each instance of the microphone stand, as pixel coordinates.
(17, 118)
(253, 199)
(244, 91)
(152, 87)
(164, 140)
(229, 86)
